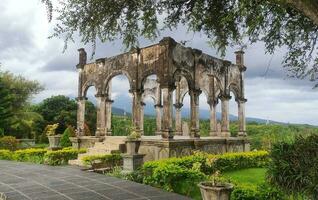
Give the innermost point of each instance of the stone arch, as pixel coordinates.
(146, 74)
(235, 89)
(186, 74)
(116, 73)
(87, 85)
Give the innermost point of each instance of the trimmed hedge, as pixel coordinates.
(30, 155)
(109, 160)
(210, 163)
(262, 192)
(41, 156)
(60, 157)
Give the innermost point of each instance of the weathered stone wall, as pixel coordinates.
(160, 149)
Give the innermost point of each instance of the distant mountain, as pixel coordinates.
(204, 114)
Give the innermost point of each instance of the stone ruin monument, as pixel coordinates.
(177, 68)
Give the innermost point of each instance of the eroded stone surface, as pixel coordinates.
(178, 68)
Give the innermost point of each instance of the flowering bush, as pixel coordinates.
(8, 142)
(50, 129)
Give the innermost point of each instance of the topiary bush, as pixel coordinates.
(65, 139)
(30, 155)
(5, 155)
(294, 166)
(8, 142)
(61, 157)
(107, 160)
(41, 156)
(262, 192)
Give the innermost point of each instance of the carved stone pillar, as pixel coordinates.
(241, 117)
(167, 132)
(158, 108)
(225, 127)
(178, 107)
(81, 115)
(136, 109)
(100, 115)
(213, 119)
(142, 115)
(108, 116)
(195, 121)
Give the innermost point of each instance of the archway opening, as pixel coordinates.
(233, 110)
(151, 99)
(90, 112)
(182, 107)
(121, 105)
(204, 115)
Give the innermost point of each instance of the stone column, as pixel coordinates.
(178, 107)
(142, 115)
(136, 109)
(241, 117)
(195, 121)
(100, 109)
(213, 119)
(225, 127)
(108, 116)
(167, 132)
(81, 115)
(158, 108)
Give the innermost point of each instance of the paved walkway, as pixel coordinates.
(20, 181)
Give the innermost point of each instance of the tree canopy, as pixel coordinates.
(291, 24)
(15, 95)
(61, 109)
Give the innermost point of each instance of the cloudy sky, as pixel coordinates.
(25, 50)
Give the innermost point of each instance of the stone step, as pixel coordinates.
(110, 144)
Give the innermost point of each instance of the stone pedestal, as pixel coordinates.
(132, 162)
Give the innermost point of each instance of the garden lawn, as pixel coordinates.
(250, 177)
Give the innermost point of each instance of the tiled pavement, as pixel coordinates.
(20, 181)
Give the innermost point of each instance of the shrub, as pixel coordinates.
(108, 160)
(8, 142)
(262, 192)
(175, 179)
(5, 155)
(61, 157)
(29, 155)
(65, 139)
(51, 129)
(294, 166)
(211, 163)
(181, 175)
(41, 156)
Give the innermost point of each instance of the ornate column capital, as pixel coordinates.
(158, 106)
(213, 102)
(138, 91)
(178, 105)
(224, 97)
(108, 100)
(195, 92)
(240, 100)
(81, 98)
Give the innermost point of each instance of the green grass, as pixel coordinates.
(250, 177)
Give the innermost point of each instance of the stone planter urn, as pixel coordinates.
(215, 191)
(132, 146)
(54, 141)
